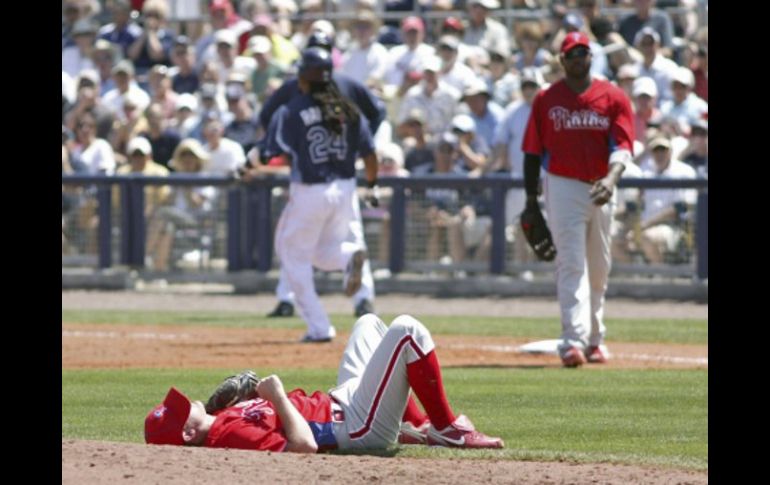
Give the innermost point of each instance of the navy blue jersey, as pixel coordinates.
(317, 154)
(369, 105)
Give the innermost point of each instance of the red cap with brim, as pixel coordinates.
(164, 424)
(574, 39)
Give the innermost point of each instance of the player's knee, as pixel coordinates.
(369, 320)
(409, 324)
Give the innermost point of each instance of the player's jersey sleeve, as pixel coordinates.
(533, 137)
(371, 107)
(279, 98)
(365, 142)
(284, 134)
(622, 126)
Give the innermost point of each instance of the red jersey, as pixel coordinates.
(255, 425)
(575, 133)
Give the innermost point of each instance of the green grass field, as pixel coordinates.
(653, 417)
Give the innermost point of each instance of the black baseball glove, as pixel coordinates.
(537, 233)
(233, 390)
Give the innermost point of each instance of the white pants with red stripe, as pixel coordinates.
(372, 385)
(314, 230)
(581, 233)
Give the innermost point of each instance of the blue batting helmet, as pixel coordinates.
(320, 39)
(315, 65)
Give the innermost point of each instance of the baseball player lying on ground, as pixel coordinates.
(369, 408)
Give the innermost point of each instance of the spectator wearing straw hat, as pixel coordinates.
(78, 57)
(366, 58)
(184, 206)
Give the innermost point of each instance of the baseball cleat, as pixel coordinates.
(284, 309)
(352, 280)
(307, 339)
(409, 434)
(597, 354)
(363, 307)
(462, 434)
(573, 357)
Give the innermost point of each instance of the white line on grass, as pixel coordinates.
(644, 357)
(136, 335)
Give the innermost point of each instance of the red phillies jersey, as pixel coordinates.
(254, 424)
(575, 133)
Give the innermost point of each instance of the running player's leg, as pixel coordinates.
(283, 290)
(296, 240)
(334, 248)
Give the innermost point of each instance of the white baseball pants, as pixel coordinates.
(314, 231)
(581, 233)
(372, 384)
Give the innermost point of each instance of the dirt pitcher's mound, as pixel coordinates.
(86, 462)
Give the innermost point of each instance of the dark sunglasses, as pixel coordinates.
(577, 52)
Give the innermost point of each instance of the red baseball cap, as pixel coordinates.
(453, 23)
(574, 39)
(164, 424)
(412, 22)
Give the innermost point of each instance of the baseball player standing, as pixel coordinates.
(581, 131)
(321, 133)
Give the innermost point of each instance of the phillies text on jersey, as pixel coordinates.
(575, 133)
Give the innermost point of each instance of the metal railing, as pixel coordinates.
(250, 212)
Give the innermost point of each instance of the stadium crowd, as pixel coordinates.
(158, 86)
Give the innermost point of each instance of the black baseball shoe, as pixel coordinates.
(284, 309)
(363, 307)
